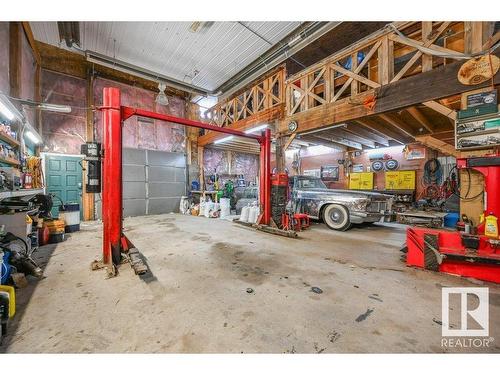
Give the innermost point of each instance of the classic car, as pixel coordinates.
(339, 209)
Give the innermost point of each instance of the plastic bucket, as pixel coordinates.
(451, 220)
(70, 213)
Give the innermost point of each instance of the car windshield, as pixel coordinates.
(310, 183)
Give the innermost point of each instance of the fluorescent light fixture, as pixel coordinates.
(8, 110)
(327, 128)
(33, 137)
(385, 150)
(55, 108)
(256, 129)
(222, 140)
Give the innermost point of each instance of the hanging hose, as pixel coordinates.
(457, 190)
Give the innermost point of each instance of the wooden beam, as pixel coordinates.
(357, 129)
(31, 41)
(420, 118)
(352, 137)
(88, 200)
(438, 145)
(339, 140)
(289, 141)
(440, 108)
(398, 124)
(438, 83)
(263, 117)
(426, 33)
(386, 61)
(76, 65)
(383, 131)
(15, 43)
(201, 170)
(319, 141)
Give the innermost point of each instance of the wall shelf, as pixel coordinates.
(20, 193)
(8, 139)
(10, 161)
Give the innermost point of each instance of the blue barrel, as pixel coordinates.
(451, 220)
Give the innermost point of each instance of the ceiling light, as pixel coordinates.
(222, 140)
(55, 108)
(6, 111)
(256, 129)
(161, 98)
(33, 137)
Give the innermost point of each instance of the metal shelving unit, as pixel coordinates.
(20, 193)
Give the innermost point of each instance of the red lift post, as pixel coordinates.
(113, 115)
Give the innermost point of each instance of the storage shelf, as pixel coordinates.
(10, 161)
(8, 139)
(20, 193)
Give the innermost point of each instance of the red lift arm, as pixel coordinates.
(113, 115)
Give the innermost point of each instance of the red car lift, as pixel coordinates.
(455, 252)
(113, 115)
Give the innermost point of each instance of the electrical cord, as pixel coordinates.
(457, 191)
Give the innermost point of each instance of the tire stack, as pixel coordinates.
(279, 196)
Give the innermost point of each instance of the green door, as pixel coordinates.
(64, 180)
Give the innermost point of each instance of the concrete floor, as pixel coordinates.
(196, 299)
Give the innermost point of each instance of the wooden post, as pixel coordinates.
(354, 65)
(200, 165)
(15, 43)
(386, 61)
(426, 59)
(473, 36)
(88, 199)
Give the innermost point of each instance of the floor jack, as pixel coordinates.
(456, 252)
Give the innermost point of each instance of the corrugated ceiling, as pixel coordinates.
(206, 58)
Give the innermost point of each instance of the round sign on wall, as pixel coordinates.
(391, 165)
(292, 126)
(377, 166)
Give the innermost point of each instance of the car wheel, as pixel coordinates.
(336, 217)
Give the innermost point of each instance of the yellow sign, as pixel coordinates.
(361, 181)
(400, 180)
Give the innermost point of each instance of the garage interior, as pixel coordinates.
(246, 187)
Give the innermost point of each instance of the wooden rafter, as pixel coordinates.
(398, 124)
(371, 134)
(440, 108)
(420, 118)
(383, 130)
(437, 144)
(289, 141)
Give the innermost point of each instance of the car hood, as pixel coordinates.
(352, 193)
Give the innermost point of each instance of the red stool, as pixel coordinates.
(301, 221)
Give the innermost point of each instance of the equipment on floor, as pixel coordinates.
(114, 114)
(279, 196)
(70, 214)
(473, 251)
(56, 230)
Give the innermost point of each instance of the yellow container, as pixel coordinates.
(12, 298)
(491, 226)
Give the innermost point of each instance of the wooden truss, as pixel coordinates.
(265, 94)
(382, 58)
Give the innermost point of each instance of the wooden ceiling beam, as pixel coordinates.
(438, 145)
(420, 118)
(399, 125)
(352, 137)
(357, 129)
(383, 130)
(321, 142)
(442, 109)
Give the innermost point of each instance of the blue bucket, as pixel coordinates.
(451, 220)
